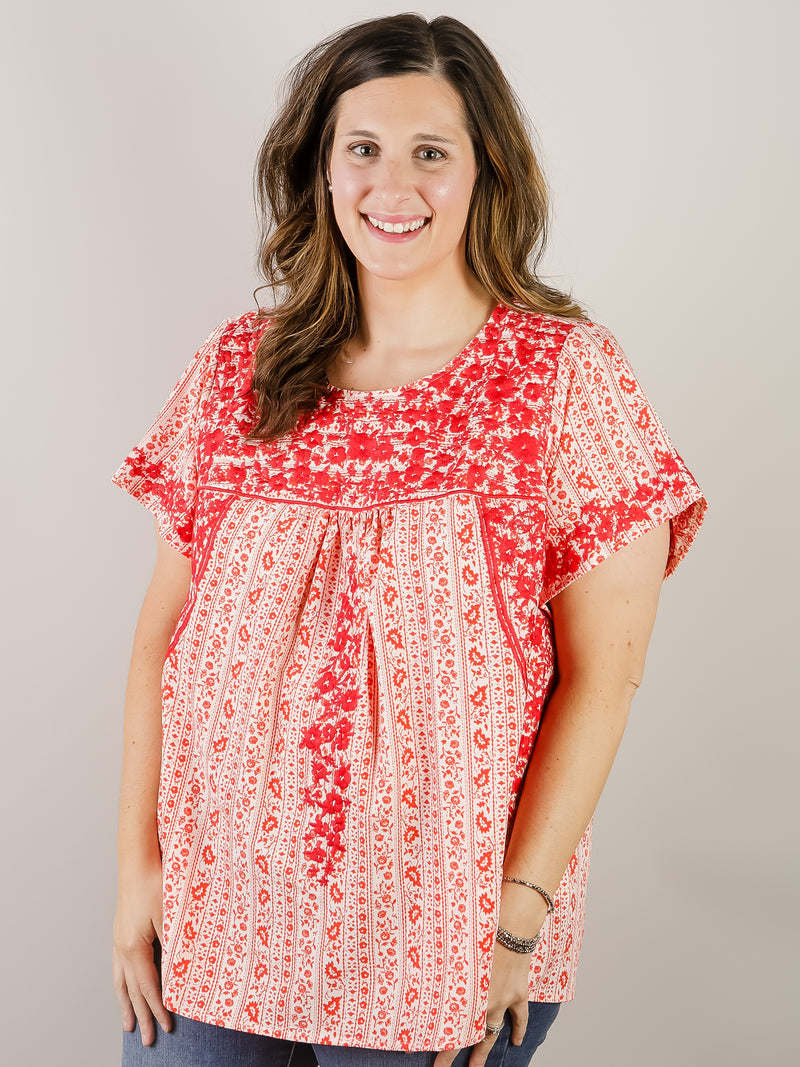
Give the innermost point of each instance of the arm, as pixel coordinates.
(138, 918)
(603, 623)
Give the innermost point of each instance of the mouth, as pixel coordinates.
(397, 227)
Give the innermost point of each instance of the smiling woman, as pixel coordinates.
(391, 184)
(321, 319)
(401, 200)
(413, 526)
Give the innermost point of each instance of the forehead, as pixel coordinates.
(416, 101)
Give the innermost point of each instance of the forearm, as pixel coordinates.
(137, 839)
(602, 626)
(138, 920)
(574, 751)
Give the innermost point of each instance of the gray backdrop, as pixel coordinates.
(129, 131)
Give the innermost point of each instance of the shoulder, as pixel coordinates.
(243, 332)
(527, 340)
(530, 333)
(237, 340)
(564, 343)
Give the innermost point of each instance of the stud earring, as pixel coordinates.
(330, 188)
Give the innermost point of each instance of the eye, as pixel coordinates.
(430, 155)
(364, 150)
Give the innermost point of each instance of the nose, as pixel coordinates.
(393, 181)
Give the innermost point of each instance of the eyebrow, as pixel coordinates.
(437, 137)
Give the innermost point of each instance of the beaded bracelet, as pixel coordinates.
(538, 888)
(516, 944)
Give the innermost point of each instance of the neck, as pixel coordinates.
(415, 314)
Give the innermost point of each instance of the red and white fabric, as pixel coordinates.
(356, 681)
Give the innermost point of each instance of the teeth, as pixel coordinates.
(397, 227)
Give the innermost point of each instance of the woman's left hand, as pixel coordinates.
(508, 992)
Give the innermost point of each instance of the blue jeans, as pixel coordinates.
(195, 1044)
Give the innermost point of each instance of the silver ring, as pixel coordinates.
(493, 1030)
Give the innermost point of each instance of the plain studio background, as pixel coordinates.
(129, 135)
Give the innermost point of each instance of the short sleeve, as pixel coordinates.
(613, 473)
(161, 471)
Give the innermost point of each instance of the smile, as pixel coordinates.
(396, 227)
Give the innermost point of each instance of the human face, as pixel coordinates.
(402, 169)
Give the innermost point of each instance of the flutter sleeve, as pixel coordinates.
(613, 473)
(161, 471)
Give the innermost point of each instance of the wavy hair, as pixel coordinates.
(302, 254)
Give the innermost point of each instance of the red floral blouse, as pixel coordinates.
(356, 680)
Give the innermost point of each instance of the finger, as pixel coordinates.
(142, 985)
(481, 1051)
(444, 1059)
(144, 1016)
(149, 985)
(519, 1021)
(121, 989)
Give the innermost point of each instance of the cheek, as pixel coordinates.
(452, 193)
(347, 195)
(346, 181)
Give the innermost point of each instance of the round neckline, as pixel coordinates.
(429, 379)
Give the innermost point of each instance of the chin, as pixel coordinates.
(390, 272)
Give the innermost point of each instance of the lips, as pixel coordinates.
(397, 225)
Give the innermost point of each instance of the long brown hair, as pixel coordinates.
(302, 254)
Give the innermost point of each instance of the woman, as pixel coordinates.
(384, 511)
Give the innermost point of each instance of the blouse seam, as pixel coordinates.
(495, 584)
(197, 574)
(562, 360)
(280, 498)
(679, 506)
(554, 440)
